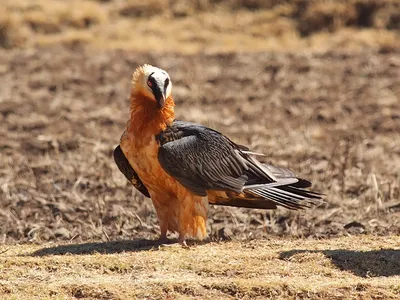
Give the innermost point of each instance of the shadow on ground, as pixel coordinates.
(110, 247)
(105, 247)
(384, 262)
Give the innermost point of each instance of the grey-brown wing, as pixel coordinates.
(201, 159)
(125, 167)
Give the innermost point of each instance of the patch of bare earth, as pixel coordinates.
(333, 118)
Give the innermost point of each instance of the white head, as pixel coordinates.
(153, 83)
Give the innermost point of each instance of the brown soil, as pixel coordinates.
(333, 118)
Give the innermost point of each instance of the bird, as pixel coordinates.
(184, 167)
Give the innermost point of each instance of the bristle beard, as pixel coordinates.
(147, 118)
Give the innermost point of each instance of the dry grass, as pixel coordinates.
(202, 26)
(344, 268)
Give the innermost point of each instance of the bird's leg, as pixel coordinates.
(163, 236)
(163, 239)
(162, 214)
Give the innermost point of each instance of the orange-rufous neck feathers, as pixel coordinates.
(147, 117)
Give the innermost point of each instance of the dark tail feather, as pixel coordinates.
(288, 196)
(295, 190)
(302, 183)
(250, 202)
(287, 193)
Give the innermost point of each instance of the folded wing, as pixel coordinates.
(204, 160)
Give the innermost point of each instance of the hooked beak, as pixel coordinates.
(159, 94)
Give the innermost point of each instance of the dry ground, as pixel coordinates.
(333, 118)
(311, 101)
(342, 268)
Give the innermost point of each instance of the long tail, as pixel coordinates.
(267, 187)
(289, 196)
(286, 193)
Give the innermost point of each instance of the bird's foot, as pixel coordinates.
(163, 240)
(182, 242)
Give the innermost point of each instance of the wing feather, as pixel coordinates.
(202, 160)
(125, 167)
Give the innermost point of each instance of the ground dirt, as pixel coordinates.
(332, 118)
(313, 85)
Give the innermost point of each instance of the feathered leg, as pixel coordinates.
(192, 217)
(163, 236)
(162, 214)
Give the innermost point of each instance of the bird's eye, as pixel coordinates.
(149, 83)
(166, 82)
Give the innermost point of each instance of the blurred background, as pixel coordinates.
(204, 26)
(315, 85)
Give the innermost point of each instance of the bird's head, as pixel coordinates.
(152, 83)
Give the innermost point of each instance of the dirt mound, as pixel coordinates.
(333, 118)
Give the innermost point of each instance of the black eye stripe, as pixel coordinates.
(166, 82)
(153, 82)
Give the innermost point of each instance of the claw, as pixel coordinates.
(182, 241)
